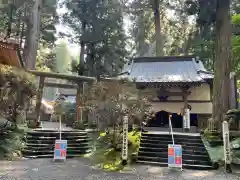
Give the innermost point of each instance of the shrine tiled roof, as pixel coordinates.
(167, 69)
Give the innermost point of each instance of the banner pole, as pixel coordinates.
(170, 123)
(60, 127)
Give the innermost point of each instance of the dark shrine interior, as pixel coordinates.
(162, 117)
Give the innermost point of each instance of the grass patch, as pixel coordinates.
(106, 157)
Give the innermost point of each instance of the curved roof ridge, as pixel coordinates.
(163, 59)
(198, 64)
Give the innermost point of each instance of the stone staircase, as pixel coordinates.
(40, 143)
(154, 150)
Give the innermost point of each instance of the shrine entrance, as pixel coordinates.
(161, 119)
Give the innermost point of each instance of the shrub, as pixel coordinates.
(33, 124)
(11, 142)
(17, 89)
(78, 125)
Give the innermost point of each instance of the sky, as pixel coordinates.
(73, 48)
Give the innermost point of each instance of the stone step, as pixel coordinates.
(186, 150)
(183, 143)
(40, 143)
(152, 145)
(56, 130)
(54, 133)
(42, 152)
(40, 137)
(185, 166)
(184, 155)
(52, 145)
(51, 156)
(154, 150)
(57, 136)
(169, 138)
(52, 141)
(184, 161)
(177, 136)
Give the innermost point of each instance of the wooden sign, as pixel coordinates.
(226, 143)
(125, 140)
(186, 119)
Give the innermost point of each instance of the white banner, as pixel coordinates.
(226, 141)
(125, 139)
(186, 119)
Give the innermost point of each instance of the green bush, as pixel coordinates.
(78, 125)
(33, 124)
(93, 126)
(105, 156)
(11, 143)
(211, 135)
(69, 118)
(15, 81)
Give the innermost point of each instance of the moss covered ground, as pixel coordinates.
(217, 153)
(108, 158)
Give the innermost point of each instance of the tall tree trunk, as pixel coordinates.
(22, 26)
(32, 36)
(81, 69)
(82, 53)
(10, 20)
(223, 63)
(141, 35)
(158, 37)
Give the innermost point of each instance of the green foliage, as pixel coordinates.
(15, 80)
(106, 157)
(217, 153)
(236, 19)
(203, 43)
(13, 22)
(236, 43)
(109, 101)
(32, 124)
(174, 28)
(20, 14)
(11, 143)
(99, 24)
(45, 58)
(78, 125)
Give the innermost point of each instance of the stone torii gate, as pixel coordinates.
(77, 80)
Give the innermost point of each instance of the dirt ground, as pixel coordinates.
(82, 169)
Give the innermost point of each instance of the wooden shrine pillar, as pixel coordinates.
(39, 98)
(78, 102)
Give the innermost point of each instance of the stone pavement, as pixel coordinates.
(81, 169)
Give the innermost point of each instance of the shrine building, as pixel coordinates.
(172, 84)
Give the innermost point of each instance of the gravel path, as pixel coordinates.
(81, 169)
